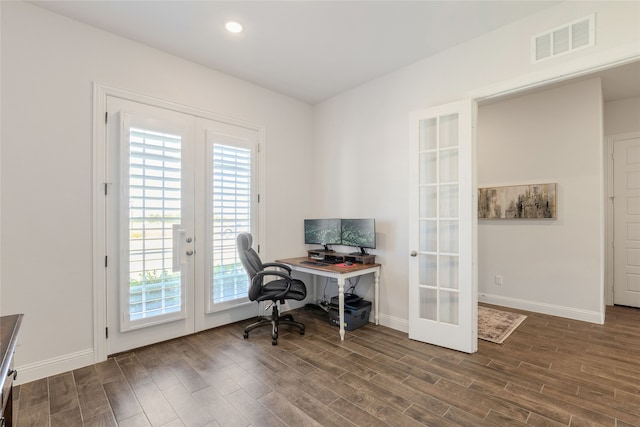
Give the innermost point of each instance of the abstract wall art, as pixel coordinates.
(534, 201)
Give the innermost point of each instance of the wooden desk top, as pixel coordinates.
(9, 326)
(334, 268)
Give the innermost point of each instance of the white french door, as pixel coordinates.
(150, 223)
(179, 188)
(443, 217)
(228, 207)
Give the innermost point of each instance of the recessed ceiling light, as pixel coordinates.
(233, 27)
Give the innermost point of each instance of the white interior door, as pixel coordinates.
(626, 252)
(443, 218)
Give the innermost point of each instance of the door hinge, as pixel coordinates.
(106, 332)
(106, 117)
(258, 248)
(106, 261)
(258, 198)
(106, 188)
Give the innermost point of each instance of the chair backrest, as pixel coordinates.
(250, 261)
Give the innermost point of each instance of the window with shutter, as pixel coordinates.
(232, 207)
(154, 207)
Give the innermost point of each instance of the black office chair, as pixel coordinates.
(283, 288)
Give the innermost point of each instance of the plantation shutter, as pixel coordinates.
(232, 207)
(154, 207)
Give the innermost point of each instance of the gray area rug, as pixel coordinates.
(496, 325)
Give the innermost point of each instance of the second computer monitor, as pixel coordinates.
(360, 233)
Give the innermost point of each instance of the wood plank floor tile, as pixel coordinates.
(100, 420)
(122, 400)
(186, 406)
(108, 371)
(68, 418)
(253, 410)
(158, 411)
(222, 412)
(34, 415)
(63, 393)
(285, 410)
(34, 393)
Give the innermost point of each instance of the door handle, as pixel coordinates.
(413, 253)
(178, 236)
(189, 252)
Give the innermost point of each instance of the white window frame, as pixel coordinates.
(212, 305)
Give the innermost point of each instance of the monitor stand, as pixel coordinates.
(362, 252)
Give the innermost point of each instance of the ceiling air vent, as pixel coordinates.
(564, 39)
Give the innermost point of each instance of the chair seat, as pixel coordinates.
(297, 292)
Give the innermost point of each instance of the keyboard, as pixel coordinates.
(316, 263)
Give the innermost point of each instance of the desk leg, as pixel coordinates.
(341, 305)
(376, 304)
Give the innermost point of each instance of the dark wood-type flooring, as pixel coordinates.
(550, 372)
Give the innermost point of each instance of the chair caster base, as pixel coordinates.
(274, 321)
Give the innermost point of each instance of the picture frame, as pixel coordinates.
(530, 201)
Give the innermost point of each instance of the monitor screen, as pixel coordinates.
(359, 232)
(322, 231)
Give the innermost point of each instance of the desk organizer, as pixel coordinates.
(337, 257)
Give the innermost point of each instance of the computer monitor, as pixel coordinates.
(360, 233)
(323, 232)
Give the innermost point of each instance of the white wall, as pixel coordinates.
(622, 116)
(49, 64)
(361, 137)
(552, 136)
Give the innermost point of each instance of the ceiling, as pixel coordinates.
(309, 50)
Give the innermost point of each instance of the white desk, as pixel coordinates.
(335, 271)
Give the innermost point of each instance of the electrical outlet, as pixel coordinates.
(498, 280)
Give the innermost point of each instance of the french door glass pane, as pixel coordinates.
(448, 266)
(428, 303)
(449, 236)
(427, 274)
(448, 201)
(428, 234)
(448, 163)
(231, 215)
(428, 168)
(449, 305)
(448, 131)
(428, 201)
(154, 207)
(428, 134)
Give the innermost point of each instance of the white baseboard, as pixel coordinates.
(393, 322)
(54, 366)
(402, 325)
(538, 307)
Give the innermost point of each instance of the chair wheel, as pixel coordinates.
(246, 335)
(274, 342)
(302, 332)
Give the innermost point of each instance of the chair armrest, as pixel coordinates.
(277, 264)
(285, 276)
